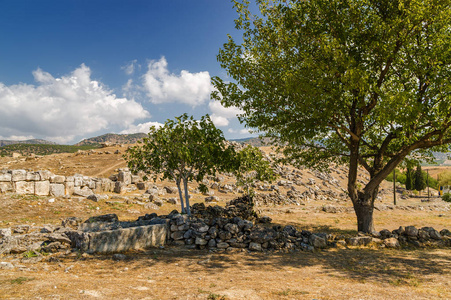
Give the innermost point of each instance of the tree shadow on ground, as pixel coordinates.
(382, 265)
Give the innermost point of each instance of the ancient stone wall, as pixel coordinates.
(45, 183)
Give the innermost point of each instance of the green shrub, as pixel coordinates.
(446, 197)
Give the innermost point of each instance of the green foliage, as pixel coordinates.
(400, 177)
(409, 179)
(183, 150)
(30, 254)
(42, 149)
(420, 180)
(446, 197)
(252, 167)
(445, 178)
(357, 81)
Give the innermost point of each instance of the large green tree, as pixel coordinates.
(366, 82)
(183, 149)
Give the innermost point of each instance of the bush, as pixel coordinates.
(446, 197)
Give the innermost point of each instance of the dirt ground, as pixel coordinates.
(177, 273)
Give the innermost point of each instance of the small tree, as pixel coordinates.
(182, 150)
(252, 166)
(420, 182)
(409, 179)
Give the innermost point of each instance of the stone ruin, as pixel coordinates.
(45, 183)
(236, 226)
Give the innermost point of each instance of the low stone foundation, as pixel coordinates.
(45, 183)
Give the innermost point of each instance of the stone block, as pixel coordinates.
(103, 185)
(6, 187)
(57, 179)
(24, 187)
(142, 185)
(57, 189)
(18, 175)
(135, 179)
(124, 177)
(33, 176)
(120, 187)
(5, 177)
(45, 174)
(133, 238)
(84, 191)
(70, 187)
(78, 180)
(90, 183)
(42, 188)
(70, 179)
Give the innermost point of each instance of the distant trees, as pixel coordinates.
(420, 179)
(409, 179)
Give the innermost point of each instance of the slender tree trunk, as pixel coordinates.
(185, 184)
(180, 195)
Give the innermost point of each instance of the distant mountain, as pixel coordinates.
(32, 141)
(113, 138)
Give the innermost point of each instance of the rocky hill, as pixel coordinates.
(113, 138)
(32, 141)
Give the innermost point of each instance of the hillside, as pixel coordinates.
(41, 149)
(32, 141)
(256, 141)
(113, 138)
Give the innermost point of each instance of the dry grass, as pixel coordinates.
(179, 274)
(176, 273)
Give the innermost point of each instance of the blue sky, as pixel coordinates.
(71, 69)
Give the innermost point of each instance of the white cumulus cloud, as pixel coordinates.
(59, 109)
(161, 86)
(221, 115)
(142, 127)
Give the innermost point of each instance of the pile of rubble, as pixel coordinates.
(237, 226)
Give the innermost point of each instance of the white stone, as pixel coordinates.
(78, 180)
(70, 186)
(24, 187)
(57, 179)
(6, 187)
(57, 189)
(5, 177)
(33, 176)
(84, 191)
(42, 188)
(18, 175)
(45, 174)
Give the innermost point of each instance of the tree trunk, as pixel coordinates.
(364, 215)
(180, 195)
(364, 207)
(188, 209)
